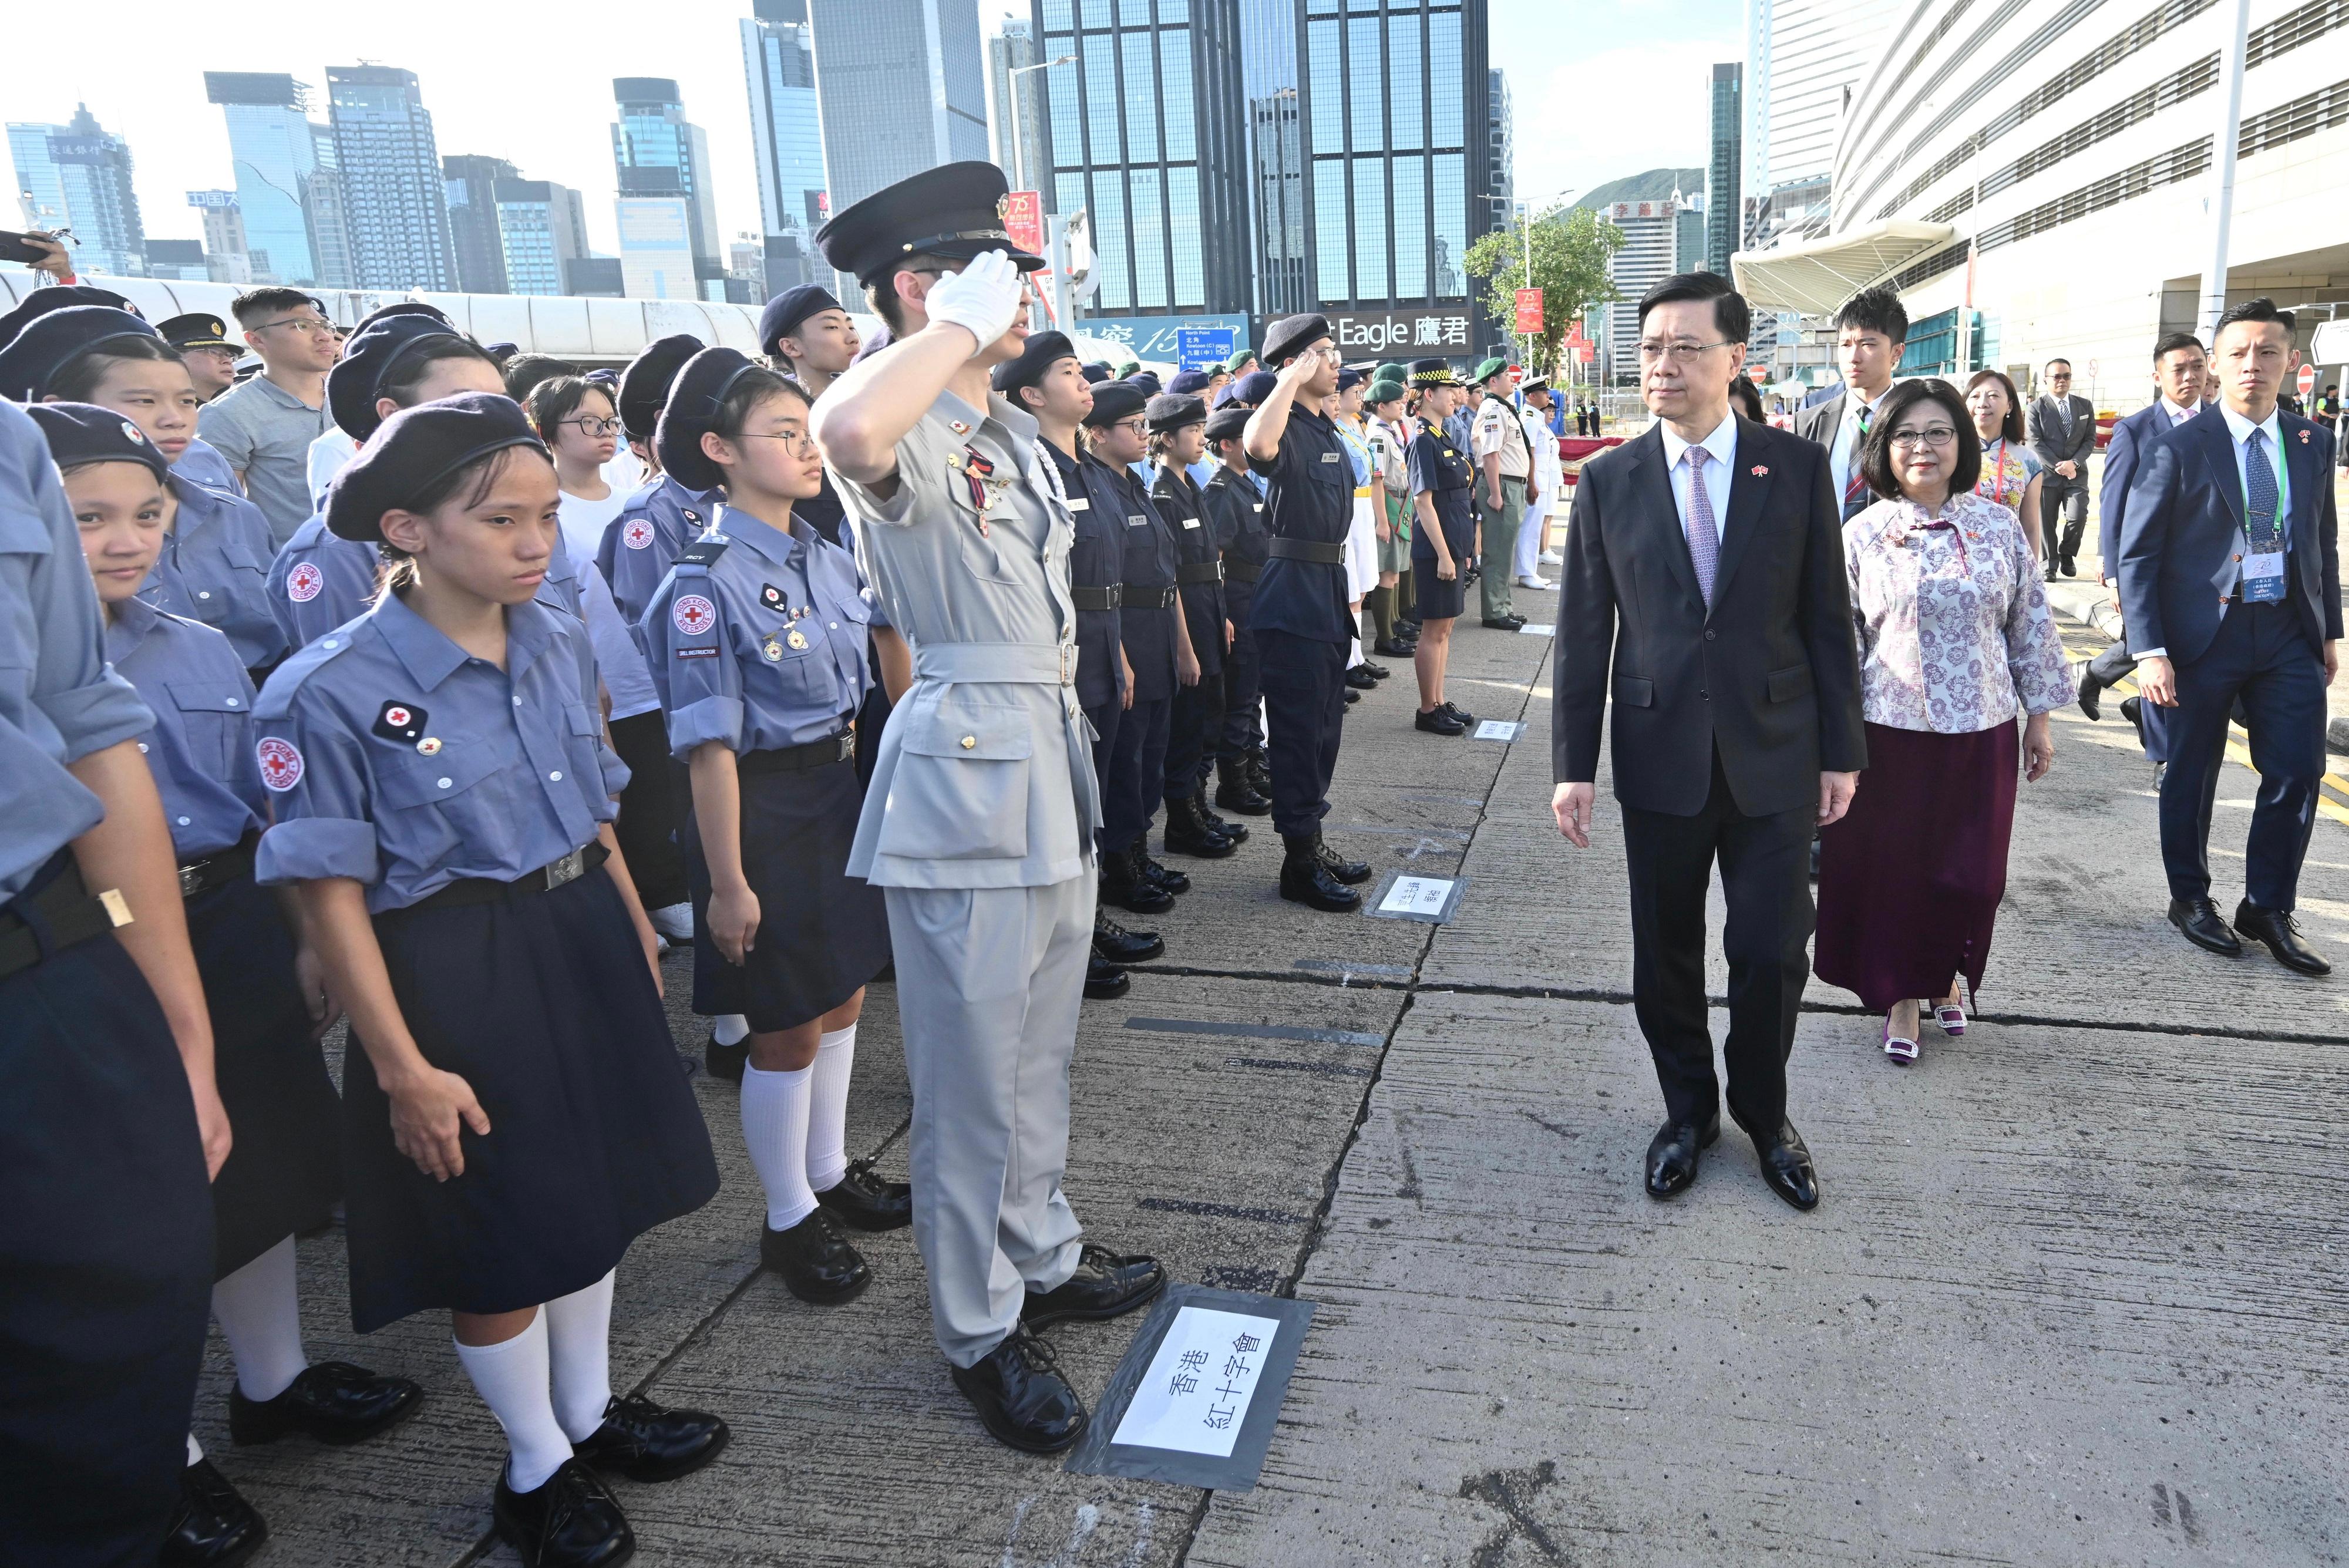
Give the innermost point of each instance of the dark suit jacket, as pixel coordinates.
(1820, 421)
(2184, 529)
(1770, 676)
(2054, 444)
(2131, 436)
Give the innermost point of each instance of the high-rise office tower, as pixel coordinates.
(542, 228)
(77, 175)
(1018, 113)
(394, 205)
(786, 130)
(1804, 59)
(471, 183)
(1723, 174)
(668, 210)
(225, 257)
(902, 88)
(1276, 154)
(324, 205)
(1501, 170)
(274, 152)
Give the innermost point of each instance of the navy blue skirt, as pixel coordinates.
(284, 1170)
(823, 934)
(545, 1005)
(106, 1260)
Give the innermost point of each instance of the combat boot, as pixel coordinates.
(1305, 879)
(1235, 791)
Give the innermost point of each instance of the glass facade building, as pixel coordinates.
(1019, 108)
(1725, 170)
(902, 84)
(541, 227)
(473, 221)
(79, 175)
(666, 203)
(786, 124)
(274, 151)
(1805, 61)
(394, 205)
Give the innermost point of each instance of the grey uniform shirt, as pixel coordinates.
(979, 783)
(59, 700)
(265, 432)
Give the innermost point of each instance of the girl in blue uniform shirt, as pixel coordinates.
(512, 1116)
(214, 560)
(757, 640)
(264, 986)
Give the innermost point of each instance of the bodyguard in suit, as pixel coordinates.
(2231, 589)
(2063, 430)
(1705, 591)
(1871, 332)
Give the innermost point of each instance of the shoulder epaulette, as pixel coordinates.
(704, 551)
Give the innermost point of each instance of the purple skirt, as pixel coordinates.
(1909, 880)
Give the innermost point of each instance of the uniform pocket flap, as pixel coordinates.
(424, 780)
(207, 697)
(1635, 691)
(977, 734)
(1787, 684)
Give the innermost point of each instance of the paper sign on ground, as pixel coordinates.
(1497, 730)
(1195, 1394)
(1416, 896)
(1531, 629)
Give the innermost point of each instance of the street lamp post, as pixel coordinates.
(1525, 213)
(1018, 140)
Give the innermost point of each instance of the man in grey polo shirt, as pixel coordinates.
(264, 426)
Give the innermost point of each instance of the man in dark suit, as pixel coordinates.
(2180, 370)
(1705, 589)
(2231, 589)
(1871, 332)
(2062, 431)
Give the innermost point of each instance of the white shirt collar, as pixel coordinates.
(2238, 429)
(1720, 445)
(2179, 412)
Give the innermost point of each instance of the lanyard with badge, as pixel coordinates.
(2263, 563)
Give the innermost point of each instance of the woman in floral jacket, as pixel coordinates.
(1955, 638)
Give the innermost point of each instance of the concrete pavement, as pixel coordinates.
(2074, 1295)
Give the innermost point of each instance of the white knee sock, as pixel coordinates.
(1354, 653)
(511, 1378)
(262, 1319)
(775, 1130)
(827, 1139)
(730, 1028)
(579, 1353)
(195, 1451)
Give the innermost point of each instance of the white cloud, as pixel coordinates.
(1598, 117)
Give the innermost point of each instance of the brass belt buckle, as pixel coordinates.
(191, 879)
(566, 870)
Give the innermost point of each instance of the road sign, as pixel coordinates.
(2307, 382)
(2330, 344)
(1529, 312)
(1023, 220)
(1200, 347)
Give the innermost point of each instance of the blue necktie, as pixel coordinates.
(2262, 527)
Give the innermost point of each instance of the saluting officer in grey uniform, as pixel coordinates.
(979, 824)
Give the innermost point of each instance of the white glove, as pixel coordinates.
(983, 299)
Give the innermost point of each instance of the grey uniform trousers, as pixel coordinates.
(989, 983)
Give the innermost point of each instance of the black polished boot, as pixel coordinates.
(1104, 981)
(1304, 879)
(212, 1525)
(649, 1442)
(1351, 872)
(569, 1522)
(1231, 830)
(1235, 791)
(1259, 772)
(815, 1259)
(332, 1401)
(867, 1202)
(1120, 946)
(1123, 885)
(1020, 1396)
(1163, 878)
(1187, 831)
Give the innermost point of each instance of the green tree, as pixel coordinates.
(1572, 249)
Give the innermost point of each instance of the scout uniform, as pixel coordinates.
(1235, 502)
(664, 516)
(1197, 713)
(108, 1260)
(1499, 431)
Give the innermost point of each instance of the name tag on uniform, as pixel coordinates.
(1190, 521)
(1137, 521)
(2263, 578)
(1258, 505)
(1329, 457)
(1079, 504)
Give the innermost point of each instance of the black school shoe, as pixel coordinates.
(649, 1442)
(1119, 946)
(1104, 981)
(815, 1259)
(1020, 1396)
(866, 1203)
(1360, 678)
(569, 1521)
(1106, 1284)
(212, 1524)
(1436, 721)
(723, 1061)
(1467, 719)
(332, 1401)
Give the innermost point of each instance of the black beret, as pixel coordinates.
(644, 385)
(40, 351)
(691, 410)
(80, 434)
(1433, 373)
(415, 450)
(1148, 380)
(1173, 411)
(1115, 401)
(1189, 381)
(1096, 373)
(1042, 351)
(605, 377)
(197, 330)
(501, 350)
(787, 310)
(955, 211)
(367, 362)
(1291, 336)
(1227, 424)
(1348, 378)
(1253, 387)
(59, 296)
(399, 307)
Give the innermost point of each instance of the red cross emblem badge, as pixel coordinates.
(304, 582)
(637, 535)
(693, 615)
(281, 765)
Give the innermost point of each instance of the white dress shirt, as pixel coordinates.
(2239, 432)
(2178, 413)
(1845, 453)
(1720, 459)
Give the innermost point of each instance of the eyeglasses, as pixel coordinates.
(1934, 436)
(1659, 353)
(315, 328)
(800, 443)
(594, 429)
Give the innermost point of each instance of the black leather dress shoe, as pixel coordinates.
(1123, 885)
(1020, 1396)
(332, 1401)
(1106, 1284)
(1104, 981)
(864, 1201)
(1360, 678)
(1378, 671)
(649, 1442)
(2071, 568)
(723, 1061)
(1166, 879)
(1436, 721)
(1502, 623)
(815, 1259)
(569, 1521)
(1673, 1153)
(212, 1525)
(1467, 719)
(1115, 943)
(2091, 691)
(2199, 918)
(1352, 697)
(1393, 647)
(2132, 710)
(2281, 932)
(1785, 1161)
(1351, 872)
(1304, 879)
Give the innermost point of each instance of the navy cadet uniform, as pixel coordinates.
(108, 1261)
(1441, 470)
(1198, 709)
(1235, 502)
(662, 517)
(978, 826)
(466, 800)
